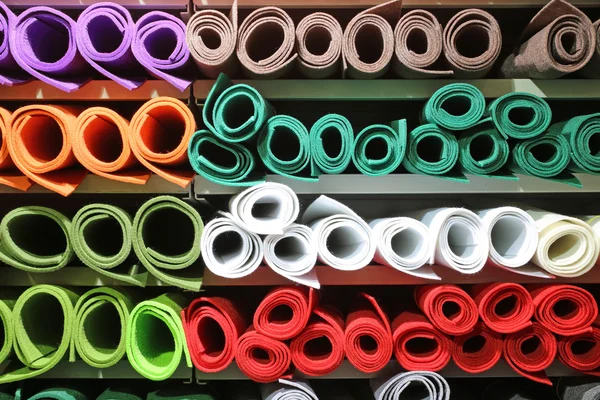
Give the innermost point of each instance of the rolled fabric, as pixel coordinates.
(559, 40)
(155, 338)
(121, 393)
(530, 351)
(39, 143)
(159, 45)
(160, 132)
(331, 145)
(477, 351)
(472, 43)
(449, 308)
(41, 313)
(368, 336)
(430, 151)
(546, 156)
(391, 388)
(99, 331)
(581, 352)
(104, 34)
(319, 38)
(310, 354)
(204, 321)
(180, 391)
(261, 56)
(456, 107)
(101, 144)
(581, 133)
(166, 240)
(482, 152)
(101, 235)
(379, 149)
(259, 369)
(7, 303)
(9, 174)
(42, 42)
(592, 68)
(58, 393)
(504, 307)
(10, 72)
(520, 115)
(578, 387)
(287, 389)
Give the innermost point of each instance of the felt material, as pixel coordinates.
(520, 115)
(278, 157)
(59, 393)
(441, 146)
(166, 240)
(42, 42)
(326, 323)
(436, 349)
(504, 307)
(39, 143)
(444, 106)
(482, 33)
(258, 369)
(9, 174)
(205, 319)
(367, 319)
(517, 390)
(329, 130)
(10, 72)
(35, 239)
(101, 144)
(581, 352)
(90, 231)
(580, 132)
(565, 310)
(592, 68)
(120, 393)
(544, 51)
(152, 46)
(478, 350)
(101, 316)
(388, 157)
(311, 32)
(10, 392)
(8, 299)
(276, 57)
(360, 50)
(578, 388)
(436, 301)
(482, 152)
(400, 386)
(160, 132)
(43, 326)
(155, 338)
(183, 392)
(207, 155)
(226, 107)
(101, 26)
(202, 32)
(530, 351)
(299, 300)
(411, 65)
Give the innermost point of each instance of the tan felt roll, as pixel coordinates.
(319, 38)
(592, 68)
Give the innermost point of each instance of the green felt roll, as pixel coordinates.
(99, 333)
(456, 107)
(166, 240)
(331, 145)
(101, 237)
(235, 113)
(482, 152)
(583, 135)
(229, 164)
(58, 393)
(284, 147)
(120, 393)
(35, 239)
(431, 151)
(546, 156)
(155, 337)
(10, 392)
(520, 115)
(379, 149)
(8, 298)
(43, 324)
(183, 392)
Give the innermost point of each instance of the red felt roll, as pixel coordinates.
(566, 310)
(212, 328)
(284, 312)
(581, 352)
(368, 336)
(530, 351)
(504, 307)
(418, 345)
(261, 358)
(319, 349)
(448, 307)
(478, 350)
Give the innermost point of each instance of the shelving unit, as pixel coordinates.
(370, 3)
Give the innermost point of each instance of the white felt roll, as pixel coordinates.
(432, 386)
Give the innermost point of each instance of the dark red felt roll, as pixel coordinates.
(284, 312)
(504, 307)
(368, 336)
(565, 310)
(478, 350)
(319, 349)
(448, 307)
(418, 345)
(530, 351)
(261, 358)
(204, 321)
(581, 352)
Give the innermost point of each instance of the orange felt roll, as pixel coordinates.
(9, 174)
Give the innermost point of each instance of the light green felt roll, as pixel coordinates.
(455, 107)
(379, 149)
(8, 298)
(520, 115)
(583, 134)
(482, 152)
(331, 145)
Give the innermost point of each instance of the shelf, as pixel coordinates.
(64, 4)
(369, 3)
(121, 370)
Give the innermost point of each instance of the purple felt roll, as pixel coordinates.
(104, 35)
(10, 72)
(160, 46)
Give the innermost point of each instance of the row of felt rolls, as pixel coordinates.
(47, 44)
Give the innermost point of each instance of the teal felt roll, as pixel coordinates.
(379, 149)
(520, 115)
(456, 106)
(331, 144)
(431, 151)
